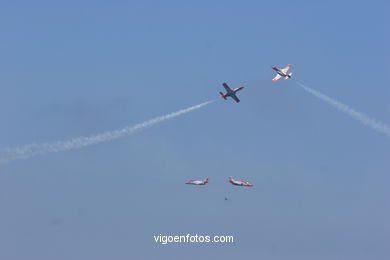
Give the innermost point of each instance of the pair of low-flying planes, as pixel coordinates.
(232, 92)
(231, 180)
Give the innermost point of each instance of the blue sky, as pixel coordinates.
(79, 68)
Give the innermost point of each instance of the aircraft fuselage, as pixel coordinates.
(230, 92)
(280, 72)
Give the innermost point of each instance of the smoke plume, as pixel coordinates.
(27, 151)
(364, 119)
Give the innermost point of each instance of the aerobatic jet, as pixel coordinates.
(230, 92)
(198, 182)
(282, 72)
(239, 183)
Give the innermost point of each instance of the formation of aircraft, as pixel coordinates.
(230, 92)
(282, 72)
(231, 180)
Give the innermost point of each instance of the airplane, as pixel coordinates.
(230, 92)
(282, 72)
(239, 183)
(197, 182)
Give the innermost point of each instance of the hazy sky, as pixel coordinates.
(79, 68)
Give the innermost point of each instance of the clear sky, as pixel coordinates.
(78, 68)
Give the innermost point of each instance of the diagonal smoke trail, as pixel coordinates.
(27, 151)
(364, 119)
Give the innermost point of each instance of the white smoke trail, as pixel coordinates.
(366, 120)
(27, 151)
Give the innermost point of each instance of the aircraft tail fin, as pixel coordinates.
(288, 75)
(206, 180)
(222, 95)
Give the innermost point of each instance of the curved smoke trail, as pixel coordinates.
(27, 151)
(366, 120)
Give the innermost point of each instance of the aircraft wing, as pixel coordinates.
(229, 90)
(285, 69)
(276, 77)
(235, 98)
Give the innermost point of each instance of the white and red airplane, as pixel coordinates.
(230, 92)
(239, 183)
(197, 182)
(282, 72)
